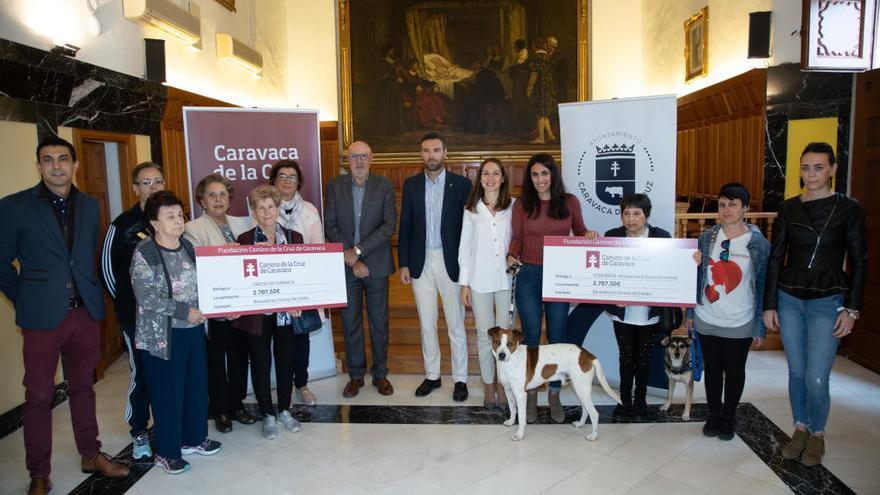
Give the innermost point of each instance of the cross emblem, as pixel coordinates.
(615, 167)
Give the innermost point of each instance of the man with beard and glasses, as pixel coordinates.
(430, 229)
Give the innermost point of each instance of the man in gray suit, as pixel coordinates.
(360, 212)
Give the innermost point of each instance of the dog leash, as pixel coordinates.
(513, 270)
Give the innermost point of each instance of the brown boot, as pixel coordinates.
(39, 486)
(796, 446)
(556, 413)
(101, 463)
(489, 400)
(814, 451)
(531, 406)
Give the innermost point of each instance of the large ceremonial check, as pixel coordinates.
(242, 280)
(620, 270)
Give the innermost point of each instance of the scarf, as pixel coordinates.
(290, 210)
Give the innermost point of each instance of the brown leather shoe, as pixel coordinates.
(102, 464)
(39, 486)
(352, 388)
(383, 385)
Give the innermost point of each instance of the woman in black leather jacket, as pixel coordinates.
(809, 295)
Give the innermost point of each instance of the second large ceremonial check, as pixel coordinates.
(620, 270)
(240, 280)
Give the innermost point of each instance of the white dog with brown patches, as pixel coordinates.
(522, 368)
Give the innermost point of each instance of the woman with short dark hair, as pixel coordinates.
(730, 287)
(170, 333)
(635, 325)
(809, 295)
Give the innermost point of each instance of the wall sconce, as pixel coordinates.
(239, 54)
(66, 50)
(166, 16)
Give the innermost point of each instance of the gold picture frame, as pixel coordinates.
(228, 4)
(576, 51)
(696, 45)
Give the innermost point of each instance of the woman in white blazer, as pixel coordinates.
(227, 346)
(482, 258)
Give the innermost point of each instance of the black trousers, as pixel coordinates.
(288, 350)
(376, 292)
(227, 367)
(635, 343)
(724, 363)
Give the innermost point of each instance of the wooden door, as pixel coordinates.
(92, 179)
(863, 345)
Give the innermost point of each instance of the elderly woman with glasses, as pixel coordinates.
(297, 214)
(732, 261)
(227, 346)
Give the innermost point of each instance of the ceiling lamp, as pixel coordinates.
(164, 15)
(239, 54)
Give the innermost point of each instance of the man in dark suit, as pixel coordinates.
(52, 230)
(427, 249)
(360, 213)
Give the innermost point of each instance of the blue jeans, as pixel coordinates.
(529, 306)
(806, 328)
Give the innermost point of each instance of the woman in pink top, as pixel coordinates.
(543, 209)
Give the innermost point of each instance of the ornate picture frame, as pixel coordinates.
(696, 45)
(464, 92)
(228, 4)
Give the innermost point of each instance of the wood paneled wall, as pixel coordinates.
(720, 137)
(173, 142)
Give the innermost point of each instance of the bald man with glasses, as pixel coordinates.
(360, 212)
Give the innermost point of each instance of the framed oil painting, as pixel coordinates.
(488, 74)
(696, 45)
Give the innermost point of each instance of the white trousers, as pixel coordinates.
(434, 279)
(485, 317)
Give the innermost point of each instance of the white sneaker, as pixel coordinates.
(289, 422)
(270, 427)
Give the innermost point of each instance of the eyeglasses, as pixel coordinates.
(291, 177)
(358, 156)
(725, 250)
(149, 182)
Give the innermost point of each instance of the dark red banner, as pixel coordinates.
(243, 143)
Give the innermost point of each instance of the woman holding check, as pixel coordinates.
(273, 331)
(170, 333)
(227, 346)
(809, 296)
(543, 209)
(732, 261)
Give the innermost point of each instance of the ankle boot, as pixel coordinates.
(489, 395)
(556, 412)
(814, 451)
(531, 406)
(796, 446)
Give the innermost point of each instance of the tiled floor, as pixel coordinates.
(421, 459)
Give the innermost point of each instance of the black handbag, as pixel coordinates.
(307, 323)
(671, 318)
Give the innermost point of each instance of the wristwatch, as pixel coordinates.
(853, 313)
(358, 251)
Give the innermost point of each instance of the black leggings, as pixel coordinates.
(291, 353)
(635, 343)
(724, 362)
